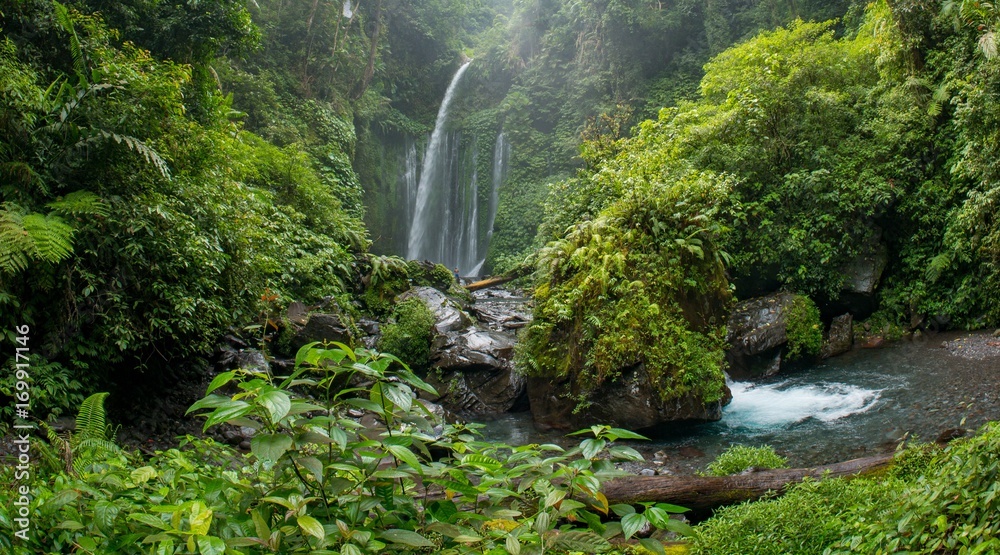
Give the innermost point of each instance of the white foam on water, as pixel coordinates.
(782, 404)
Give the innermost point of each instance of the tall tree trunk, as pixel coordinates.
(372, 52)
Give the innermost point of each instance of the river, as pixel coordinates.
(856, 404)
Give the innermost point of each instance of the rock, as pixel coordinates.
(473, 371)
(448, 315)
(950, 434)
(873, 342)
(630, 402)
(756, 335)
(840, 338)
(862, 277)
(996, 333)
(647, 472)
(321, 326)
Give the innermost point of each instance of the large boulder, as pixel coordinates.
(448, 315)
(321, 326)
(473, 371)
(756, 333)
(630, 402)
(862, 276)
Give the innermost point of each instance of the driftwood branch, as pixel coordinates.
(701, 493)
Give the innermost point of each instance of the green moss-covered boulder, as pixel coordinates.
(630, 313)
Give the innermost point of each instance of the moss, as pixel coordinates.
(641, 284)
(408, 335)
(738, 458)
(803, 329)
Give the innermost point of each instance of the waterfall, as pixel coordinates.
(431, 232)
(410, 178)
(501, 153)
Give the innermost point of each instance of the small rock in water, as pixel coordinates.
(647, 472)
(691, 452)
(950, 434)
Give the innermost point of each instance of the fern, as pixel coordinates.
(51, 237)
(15, 244)
(90, 421)
(80, 203)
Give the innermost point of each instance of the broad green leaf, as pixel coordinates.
(313, 465)
(587, 542)
(591, 447)
(404, 454)
(211, 545)
(679, 526)
(143, 474)
(675, 509)
(277, 404)
(311, 526)
(513, 546)
(228, 411)
(219, 381)
(481, 461)
(622, 509)
(633, 523)
(150, 520)
(208, 402)
(652, 546)
(200, 519)
(400, 395)
(621, 433)
(270, 447)
(300, 355)
(105, 513)
(406, 537)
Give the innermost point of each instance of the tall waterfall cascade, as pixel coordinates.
(451, 219)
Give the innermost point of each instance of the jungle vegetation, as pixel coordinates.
(170, 170)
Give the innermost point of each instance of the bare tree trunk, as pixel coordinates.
(701, 493)
(372, 52)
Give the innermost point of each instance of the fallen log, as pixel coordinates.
(489, 282)
(703, 493)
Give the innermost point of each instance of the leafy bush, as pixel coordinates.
(643, 283)
(738, 458)
(950, 508)
(803, 329)
(805, 520)
(409, 334)
(318, 481)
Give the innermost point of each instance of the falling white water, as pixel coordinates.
(432, 213)
(410, 180)
(501, 153)
(782, 404)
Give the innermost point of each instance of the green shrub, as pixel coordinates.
(803, 329)
(804, 521)
(951, 508)
(738, 458)
(409, 335)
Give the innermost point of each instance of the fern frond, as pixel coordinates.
(51, 237)
(90, 421)
(937, 266)
(15, 244)
(139, 147)
(80, 203)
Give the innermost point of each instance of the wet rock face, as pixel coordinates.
(862, 278)
(473, 371)
(321, 327)
(840, 338)
(472, 367)
(448, 315)
(756, 335)
(630, 402)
